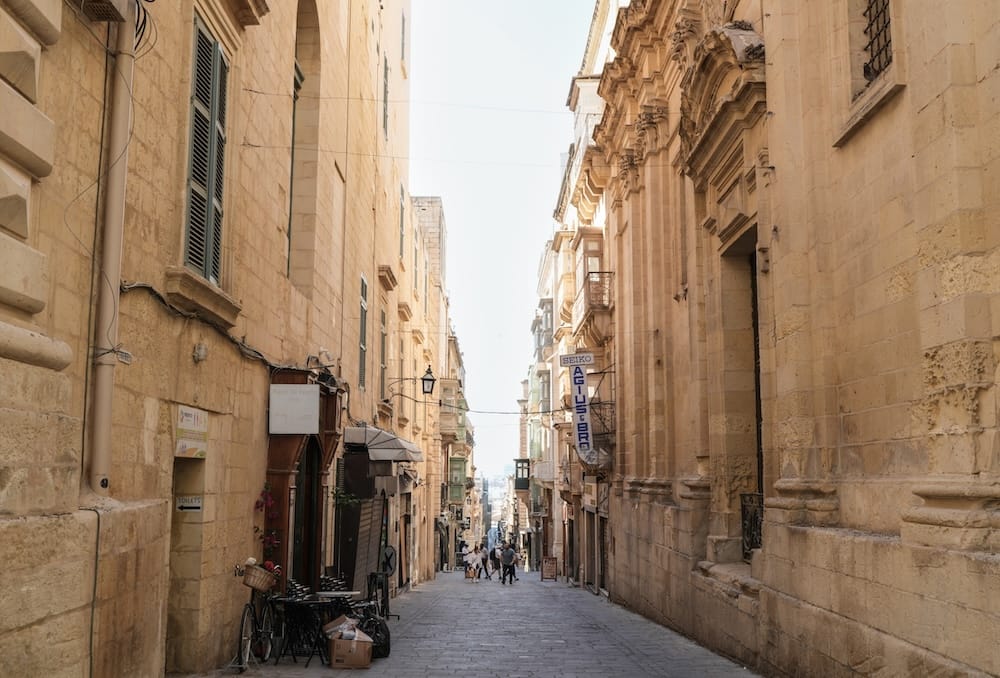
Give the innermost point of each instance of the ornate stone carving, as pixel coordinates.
(683, 39)
(647, 127)
(722, 52)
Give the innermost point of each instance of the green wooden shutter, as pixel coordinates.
(203, 246)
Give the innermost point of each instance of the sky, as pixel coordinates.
(489, 128)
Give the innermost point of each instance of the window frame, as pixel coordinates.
(866, 97)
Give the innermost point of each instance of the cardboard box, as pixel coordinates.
(355, 653)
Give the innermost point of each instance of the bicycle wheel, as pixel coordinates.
(265, 635)
(245, 638)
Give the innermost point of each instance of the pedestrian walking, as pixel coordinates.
(507, 561)
(495, 557)
(513, 566)
(485, 560)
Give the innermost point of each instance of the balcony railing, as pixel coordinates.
(595, 294)
(602, 417)
(752, 518)
(598, 289)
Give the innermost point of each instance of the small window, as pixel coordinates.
(385, 95)
(402, 220)
(203, 245)
(383, 335)
(363, 331)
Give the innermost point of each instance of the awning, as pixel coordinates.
(382, 445)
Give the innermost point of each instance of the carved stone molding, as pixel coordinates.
(659, 490)
(964, 516)
(651, 128)
(683, 39)
(249, 12)
(806, 501)
(727, 73)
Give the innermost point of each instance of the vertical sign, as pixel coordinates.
(582, 432)
(581, 415)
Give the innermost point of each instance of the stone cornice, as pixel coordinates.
(249, 12)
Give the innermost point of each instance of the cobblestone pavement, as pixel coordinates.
(531, 629)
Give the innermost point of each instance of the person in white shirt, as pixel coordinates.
(474, 562)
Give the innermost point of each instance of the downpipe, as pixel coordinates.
(106, 352)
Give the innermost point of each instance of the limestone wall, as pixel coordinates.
(842, 224)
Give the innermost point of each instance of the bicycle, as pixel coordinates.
(257, 623)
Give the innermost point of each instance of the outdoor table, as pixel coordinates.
(304, 619)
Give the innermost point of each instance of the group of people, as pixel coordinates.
(502, 559)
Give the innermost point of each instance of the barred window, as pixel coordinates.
(879, 46)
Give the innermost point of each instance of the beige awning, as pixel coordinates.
(382, 445)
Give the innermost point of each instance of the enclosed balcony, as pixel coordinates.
(592, 307)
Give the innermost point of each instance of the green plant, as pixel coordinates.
(268, 536)
(342, 498)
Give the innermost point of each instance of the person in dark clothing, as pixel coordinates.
(507, 561)
(495, 559)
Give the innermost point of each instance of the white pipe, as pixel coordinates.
(106, 329)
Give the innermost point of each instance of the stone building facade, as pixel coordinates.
(795, 203)
(210, 273)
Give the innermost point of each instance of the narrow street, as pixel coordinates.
(454, 627)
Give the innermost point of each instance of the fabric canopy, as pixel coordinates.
(382, 445)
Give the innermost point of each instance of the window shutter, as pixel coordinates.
(208, 143)
(219, 161)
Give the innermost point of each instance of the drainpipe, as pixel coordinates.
(106, 330)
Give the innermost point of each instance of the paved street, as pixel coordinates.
(453, 627)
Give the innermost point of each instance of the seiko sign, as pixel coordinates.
(571, 359)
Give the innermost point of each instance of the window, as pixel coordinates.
(402, 220)
(203, 246)
(402, 39)
(879, 45)
(363, 331)
(877, 71)
(297, 80)
(385, 95)
(382, 356)
(545, 392)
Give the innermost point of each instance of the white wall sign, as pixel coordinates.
(189, 502)
(294, 408)
(192, 432)
(571, 359)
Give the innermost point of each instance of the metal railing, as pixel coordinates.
(752, 520)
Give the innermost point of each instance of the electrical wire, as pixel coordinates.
(245, 349)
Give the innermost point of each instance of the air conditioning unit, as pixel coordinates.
(103, 10)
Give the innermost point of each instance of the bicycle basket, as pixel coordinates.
(256, 577)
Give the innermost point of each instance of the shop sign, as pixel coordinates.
(582, 431)
(187, 503)
(192, 433)
(294, 409)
